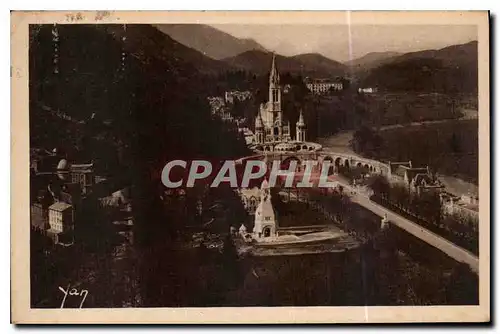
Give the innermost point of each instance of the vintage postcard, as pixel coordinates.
(250, 167)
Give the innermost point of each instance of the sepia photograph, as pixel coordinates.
(245, 166)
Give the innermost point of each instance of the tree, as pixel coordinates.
(367, 142)
(379, 185)
(463, 286)
(455, 143)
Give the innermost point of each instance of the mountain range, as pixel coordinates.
(311, 64)
(210, 50)
(371, 60)
(209, 41)
(451, 69)
(247, 54)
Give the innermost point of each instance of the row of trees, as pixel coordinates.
(426, 209)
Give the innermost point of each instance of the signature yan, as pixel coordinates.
(73, 292)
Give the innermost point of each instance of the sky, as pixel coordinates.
(344, 42)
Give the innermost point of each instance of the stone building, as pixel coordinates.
(417, 179)
(265, 217)
(466, 206)
(84, 175)
(40, 217)
(231, 96)
(323, 86)
(250, 198)
(61, 221)
(269, 123)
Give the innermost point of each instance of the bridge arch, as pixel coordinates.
(285, 163)
(331, 169)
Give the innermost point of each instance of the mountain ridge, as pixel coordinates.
(371, 60)
(208, 40)
(451, 69)
(309, 64)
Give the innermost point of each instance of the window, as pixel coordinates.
(268, 218)
(275, 95)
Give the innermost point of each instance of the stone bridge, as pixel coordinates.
(337, 159)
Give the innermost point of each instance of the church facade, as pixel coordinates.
(269, 124)
(265, 222)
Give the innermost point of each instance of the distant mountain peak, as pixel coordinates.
(208, 40)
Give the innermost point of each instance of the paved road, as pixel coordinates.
(361, 196)
(420, 232)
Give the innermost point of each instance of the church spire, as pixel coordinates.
(301, 119)
(258, 121)
(274, 77)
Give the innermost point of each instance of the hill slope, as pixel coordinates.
(315, 65)
(450, 70)
(156, 95)
(318, 62)
(209, 41)
(371, 60)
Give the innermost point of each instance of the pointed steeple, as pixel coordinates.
(301, 122)
(258, 121)
(274, 77)
(265, 191)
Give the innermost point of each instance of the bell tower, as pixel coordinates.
(259, 129)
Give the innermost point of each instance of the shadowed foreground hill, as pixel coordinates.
(161, 85)
(134, 116)
(155, 100)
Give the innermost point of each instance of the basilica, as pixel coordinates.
(269, 124)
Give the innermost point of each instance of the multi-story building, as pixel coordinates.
(230, 96)
(323, 86)
(61, 217)
(40, 210)
(61, 222)
(84, 175)
(40, 217)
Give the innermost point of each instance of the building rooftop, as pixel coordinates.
(60, 206)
